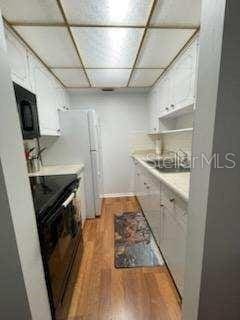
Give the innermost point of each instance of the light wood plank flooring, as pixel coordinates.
(105, 293)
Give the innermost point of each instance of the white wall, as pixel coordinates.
(212, 268)
(20, 251)
(120, 114)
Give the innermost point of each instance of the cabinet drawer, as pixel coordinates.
(174, 203)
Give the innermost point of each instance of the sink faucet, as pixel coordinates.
(184, 159)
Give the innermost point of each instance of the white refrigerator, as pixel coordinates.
(80, 142)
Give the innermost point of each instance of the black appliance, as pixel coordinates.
(28, 114)
(60, 233)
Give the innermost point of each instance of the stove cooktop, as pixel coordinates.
(47, 189)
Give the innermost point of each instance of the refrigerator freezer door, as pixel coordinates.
(73, 147)
(93, 129)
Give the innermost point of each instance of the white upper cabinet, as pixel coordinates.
(28, 72)
(182, 78)
(19, 63)
(47, 103)
(164, 95)
(153, 111)
(176, 89)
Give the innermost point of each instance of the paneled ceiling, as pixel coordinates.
(107, 43)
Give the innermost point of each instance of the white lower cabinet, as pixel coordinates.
(80, 199)
(166, 214)
(173, 246)
(152, 207)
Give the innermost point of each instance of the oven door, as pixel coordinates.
(61, 233)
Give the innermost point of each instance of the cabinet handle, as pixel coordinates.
(172, 199)
(161, 205)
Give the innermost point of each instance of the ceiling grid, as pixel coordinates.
(143, 37)
(71, 35)
(109, 53)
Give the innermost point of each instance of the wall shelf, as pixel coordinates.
(175, 131)
(180, 110)
(171, 131)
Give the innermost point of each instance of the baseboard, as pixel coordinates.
(117, 195)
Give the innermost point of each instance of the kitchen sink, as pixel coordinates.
(168, 166)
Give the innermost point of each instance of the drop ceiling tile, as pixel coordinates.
(144, 77)
(52, 44)
(108, 47)
(161, 46)
(30, 11)
(109, 77)
(72, 77)
(175, 12)
(107, 12)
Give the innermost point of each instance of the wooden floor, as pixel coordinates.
(105, 293)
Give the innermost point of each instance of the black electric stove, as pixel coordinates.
(47, 189)
(60, 234)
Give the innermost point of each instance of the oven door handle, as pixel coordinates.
(68, 200)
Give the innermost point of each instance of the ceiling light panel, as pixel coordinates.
(108, 47)
(52, 44)
(107, 12)
(72, 77)
(31, 11)
(109, 77)
(179, 13)
(161, 46)
(144, 77)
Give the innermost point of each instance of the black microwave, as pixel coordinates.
(28, 113)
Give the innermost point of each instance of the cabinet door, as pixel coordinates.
(182, 87)
(139, 185)
(135, 166)
(18, 59)
(62, 99)
(164, 96)
(137, 180)
(46, 102)
(80, 201)
(183, 78)
(83, 200)
(144, 191)
(152, 205)
(173, 246)
(153, 106)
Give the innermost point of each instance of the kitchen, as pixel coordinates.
(108, 104)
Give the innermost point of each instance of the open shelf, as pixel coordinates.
(185, 108)
(171, 131)
(176, 131)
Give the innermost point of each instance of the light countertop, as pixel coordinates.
(58, 170)
(179, 182)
